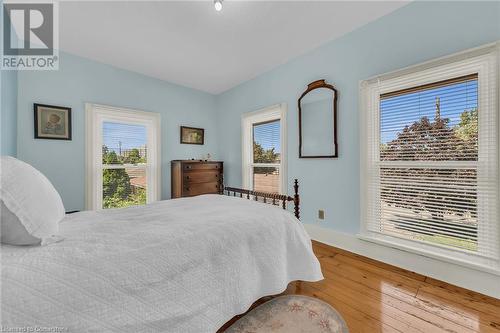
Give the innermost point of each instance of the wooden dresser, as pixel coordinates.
(195, 177)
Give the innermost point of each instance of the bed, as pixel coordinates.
(184, 265)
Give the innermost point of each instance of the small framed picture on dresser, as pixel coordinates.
(52, 122)
(192, 135)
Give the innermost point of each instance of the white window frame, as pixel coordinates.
(274, 112)
(95, 116)
(485, 61)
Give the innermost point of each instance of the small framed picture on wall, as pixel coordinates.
(192, 135)
(52, 122)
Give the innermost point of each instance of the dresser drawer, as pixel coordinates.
(195, 177)
(201, 177)
(201, 166)
(202, 188)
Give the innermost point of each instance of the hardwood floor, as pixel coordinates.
(376, 297)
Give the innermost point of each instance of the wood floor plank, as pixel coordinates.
(465, 317)
(401, 271)
(462, 318)
(471, 319)
(466, 297)
(321, 252)
(398, 309)
(444, 320)
(356, 320)
(375, 297)
(375, 310)
(366, 278)
(380, 271)
(469, 302)
(484, 322)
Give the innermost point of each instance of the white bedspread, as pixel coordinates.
(185, 265)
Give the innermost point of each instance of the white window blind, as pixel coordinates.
(266, 156)
(264, 149)
(430, 168)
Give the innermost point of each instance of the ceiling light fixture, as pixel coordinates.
(218, 5)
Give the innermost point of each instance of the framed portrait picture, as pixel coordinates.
(192, 135)
(52, 122)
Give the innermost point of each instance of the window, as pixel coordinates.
(429, 161)
(122, 157)
(264, 150)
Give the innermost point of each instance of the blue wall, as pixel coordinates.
(8, 115)
(8, 98)
(80, 80)
(425, 30)
(417, 32)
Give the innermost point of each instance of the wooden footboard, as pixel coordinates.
(271, 198)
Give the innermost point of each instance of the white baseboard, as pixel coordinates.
(479, 281)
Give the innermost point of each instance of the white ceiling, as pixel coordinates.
(191, 44)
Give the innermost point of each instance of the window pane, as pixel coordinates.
(123, 143)
(438, 123)
(266, 142)
(124, 187)
(266, 179)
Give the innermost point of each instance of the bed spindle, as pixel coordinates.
(275, 197)
(296, 199)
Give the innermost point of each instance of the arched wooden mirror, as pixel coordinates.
(318, 121)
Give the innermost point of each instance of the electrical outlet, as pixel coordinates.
(321, 214)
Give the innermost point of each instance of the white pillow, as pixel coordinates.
(13, 232)
(29, 198)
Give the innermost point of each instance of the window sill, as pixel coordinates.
(404, 245)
